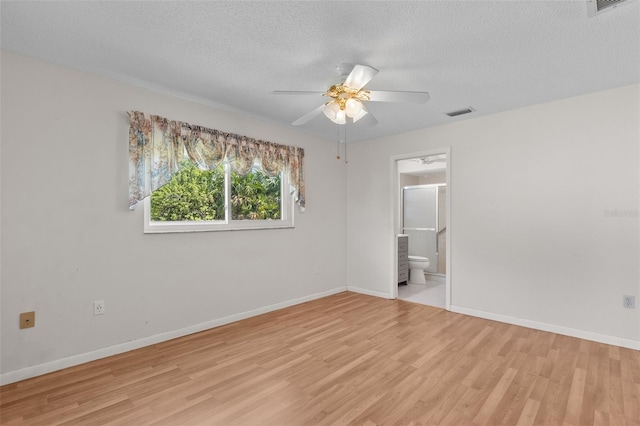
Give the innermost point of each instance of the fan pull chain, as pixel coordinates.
(345, 145)
(338, 144)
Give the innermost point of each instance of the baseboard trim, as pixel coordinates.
(558, 329)
(49, 367)
(369, 292)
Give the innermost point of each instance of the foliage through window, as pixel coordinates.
(255, 196)
(199, 195)
(191, 194)
(200, 198)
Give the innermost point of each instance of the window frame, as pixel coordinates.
(228, 224)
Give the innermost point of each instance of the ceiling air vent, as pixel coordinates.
(460, 112)
(598, 6)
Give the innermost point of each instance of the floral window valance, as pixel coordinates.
(157, 146)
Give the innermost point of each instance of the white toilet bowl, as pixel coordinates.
(417, 266)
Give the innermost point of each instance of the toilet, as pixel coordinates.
(417, 266)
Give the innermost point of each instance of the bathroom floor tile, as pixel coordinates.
(432, 294)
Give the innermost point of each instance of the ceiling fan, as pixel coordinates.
(430, 159)
(347, 99)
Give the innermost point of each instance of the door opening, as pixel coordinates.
(421, 216)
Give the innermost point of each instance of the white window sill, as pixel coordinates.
(213, 226)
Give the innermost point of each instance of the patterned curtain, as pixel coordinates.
(158, 145)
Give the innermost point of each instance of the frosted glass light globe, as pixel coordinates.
(353, 107)
(331, 110)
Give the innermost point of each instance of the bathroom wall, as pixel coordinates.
(408, 180)
(431, 178)
(533, 240)
(68, 237)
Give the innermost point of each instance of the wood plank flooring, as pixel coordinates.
(344, 359)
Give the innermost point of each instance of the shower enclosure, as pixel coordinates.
(424, 223)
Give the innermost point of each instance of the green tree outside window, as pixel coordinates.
(198, 195)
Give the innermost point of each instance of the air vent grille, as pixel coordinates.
(597, 6)
(603, 4)
(460, 112)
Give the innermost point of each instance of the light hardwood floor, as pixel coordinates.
(347, 358)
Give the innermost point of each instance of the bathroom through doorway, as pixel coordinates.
(421, 198)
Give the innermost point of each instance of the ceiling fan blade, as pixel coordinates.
(308, 116)
(396, 96)
(368, 120)
(359, 76)
(296, 92)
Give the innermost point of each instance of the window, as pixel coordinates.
(192, 178)
(219, 199)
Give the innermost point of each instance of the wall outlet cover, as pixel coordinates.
(628, 301)
(98, 307)
(28, 319)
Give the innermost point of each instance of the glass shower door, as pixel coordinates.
(420, 222)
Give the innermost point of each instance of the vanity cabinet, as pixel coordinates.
(403, 258)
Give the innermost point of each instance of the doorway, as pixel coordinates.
(421, 200)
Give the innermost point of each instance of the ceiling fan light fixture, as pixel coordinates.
(331, 110)
(347, 99)
(353, 107)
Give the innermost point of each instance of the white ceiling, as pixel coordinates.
(490, 55)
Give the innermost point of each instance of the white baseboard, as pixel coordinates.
(48, 367)
(558, 329)
(369, 292)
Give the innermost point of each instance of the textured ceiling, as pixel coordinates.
(490, 55)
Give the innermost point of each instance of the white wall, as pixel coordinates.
(68, 237)
(531, 240)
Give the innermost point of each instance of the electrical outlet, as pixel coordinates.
(27, 319)
(98, 307)
(628, 302)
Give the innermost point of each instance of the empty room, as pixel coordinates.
(320, 212)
